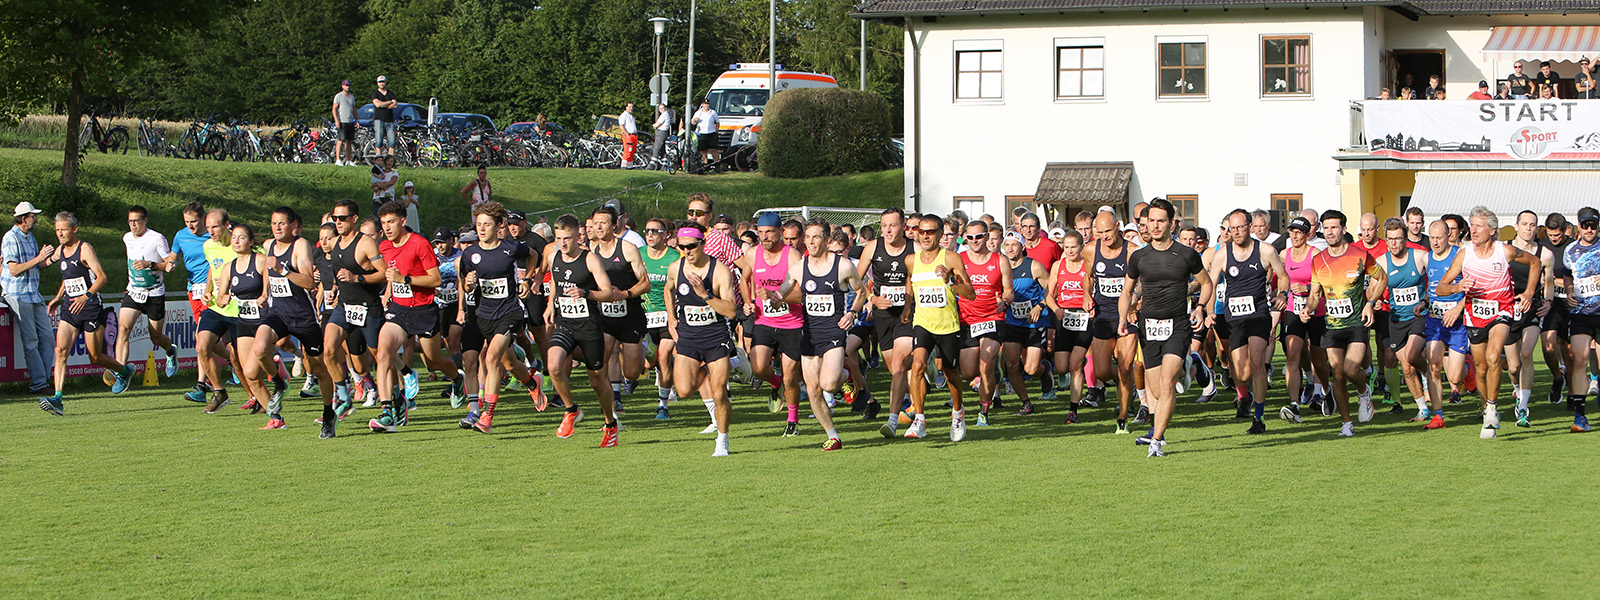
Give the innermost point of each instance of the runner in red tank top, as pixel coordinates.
(981, 316)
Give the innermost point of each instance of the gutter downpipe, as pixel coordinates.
(916, 117)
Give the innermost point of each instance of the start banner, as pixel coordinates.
(1483, 129)
(179, 326)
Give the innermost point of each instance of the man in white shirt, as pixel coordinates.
(705, 129)
(662, 130)
(630, 135)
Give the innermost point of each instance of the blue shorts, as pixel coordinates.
(1454, 337)
(383, 133)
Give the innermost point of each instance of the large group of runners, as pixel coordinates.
(1152, 306)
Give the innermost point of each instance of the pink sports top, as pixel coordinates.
(776, 314)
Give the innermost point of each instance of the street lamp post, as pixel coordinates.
(688, 76)
(657, 85)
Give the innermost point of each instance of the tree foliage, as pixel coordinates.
(823, 131)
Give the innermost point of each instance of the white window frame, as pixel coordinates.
(1261, 74)
(973, 205)
(961, 46)
(1080, 43)
(1182, 39)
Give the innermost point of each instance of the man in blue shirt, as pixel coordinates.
(20, 280)
(189, 244)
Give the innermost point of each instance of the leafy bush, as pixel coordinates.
(84, 202)
(823, 131)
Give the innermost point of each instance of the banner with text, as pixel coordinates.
(179, 326)
(1484, 130)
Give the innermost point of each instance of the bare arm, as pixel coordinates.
(601, 280)
(958, 281)
(93, 262)
(722, 285)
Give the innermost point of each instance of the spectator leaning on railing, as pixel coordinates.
(1521, 85)
(1584, 81)
(1482, 92)
(20, 280)
(1548, 78)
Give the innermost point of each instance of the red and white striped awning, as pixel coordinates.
(1542, 42)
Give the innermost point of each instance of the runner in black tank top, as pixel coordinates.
(81, 311)
(293, 310)
(700, 301)
(243, 280)
(1248, 313)
(622, 319)
(355, 318)
(578, 283)
(827, 321)
(890, 275)
(1109, 269)
(1554, 322)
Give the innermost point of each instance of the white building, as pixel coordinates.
(1216, 104)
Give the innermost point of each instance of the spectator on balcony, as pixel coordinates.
(1410, 82)
(1547, 92)
(1584, 81)
(1482, 92)
(1434, 88)
(1520, 84)
(1384, 94)
(1504, 93)
(1548, 78)
(1438, 93)
(1408, 94)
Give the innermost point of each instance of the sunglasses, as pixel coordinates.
(695, 212)
(689, 246)
(1589, 224)
(930, 231)
(974, 238)
(653, 231)
(343, 217)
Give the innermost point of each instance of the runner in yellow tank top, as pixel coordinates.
(937, 277)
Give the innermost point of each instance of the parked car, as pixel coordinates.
(406, 116)
(526, 128)
(466, 121)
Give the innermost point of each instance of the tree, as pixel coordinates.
(55, 48)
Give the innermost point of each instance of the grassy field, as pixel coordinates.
(250, 191)
(143, 495)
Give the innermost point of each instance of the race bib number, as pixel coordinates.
(1222, 290)
(448, 294)
(655, 320)
(1109, 287)
(930, 296)
(775, 308)
(697, 316)
(1484, 309)
(249, 309)
(1438, 309)
(139, 295)
(1299, 304)
(1241, 306)
(1561, 290)
(355, 314)
(198, 290)
(981, 328)
(895, 293)
(572, 308)
(1157, 330)
(495, 289)
(1021, 310)
(399, 290)
(75, 287)
(1587, 287)
(1405, 296)
(1340, 308)
(614, 309)
(544, 288)
(1075, 320)
(819, 305)
(278, 287)
(1516, 310)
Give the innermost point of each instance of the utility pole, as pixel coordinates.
(863, 55)
(688, 77)
(772, 50)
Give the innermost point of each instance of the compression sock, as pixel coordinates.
(327, 413)
(1141, 396)
(1239, 389)
(616, 388)
(1259, 407)
(1088, 374)
(794, 413)
(662, 394)
(473, 403)
(1575, 404)
(775, 380)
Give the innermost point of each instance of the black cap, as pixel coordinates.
(1300, 223)
(1588, 215)
(516, 215)
(1483, 84)
(444, 234)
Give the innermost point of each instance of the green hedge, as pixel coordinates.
(823, 131)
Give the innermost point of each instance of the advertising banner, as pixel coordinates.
(1483, 130)
(179, 326)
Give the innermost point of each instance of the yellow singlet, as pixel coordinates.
(936, 302)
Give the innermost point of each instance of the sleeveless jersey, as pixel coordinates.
(1247, 285)
(578, 315)
(699, 325)
(1219, 295)
(1490, 296)
(449, 291)
(290, 302)
(1438, 305)
(985, 304)
(620, 271)
(655, 305)
(1519, 278)
(1561, 271)
(1070, 289)
(246, 287)
(776, 314)
(1405, 286)
(1300, 275)
(889, 278)
(936, 302)
(824, 300)
(76, 278)
(1026, 293)
(1110, 274)
(354, 293)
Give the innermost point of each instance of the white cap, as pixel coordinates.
(383, 79)
(1058, 233)
(1107, 209)
(409, 184)
(25, 208)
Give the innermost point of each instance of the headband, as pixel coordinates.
(690, 232)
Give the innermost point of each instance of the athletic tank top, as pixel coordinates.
(699, 325)
(1247, 285)
(246, 287)
(354, 293)
(1437, 305)
(1219, 295)
(769, 276)
(290, 302)
(1300, 276)
(889, 274)
(986, 287)
(1559, 253)
(449, 291)
(578, 315)
(1026, 293)
(936, 302)
(656, 270)
(1405, 286)
(76, 277)
(1110, 274)
(1519, 281)
(622, 277)
(1490, 296)
(824, 301)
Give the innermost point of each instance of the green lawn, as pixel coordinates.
(250, 191)
(143, 495)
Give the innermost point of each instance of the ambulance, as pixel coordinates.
(740, 95)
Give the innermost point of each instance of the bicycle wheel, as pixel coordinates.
(116, 141)
(430, 154)
(271, 149)
(554, 157)
(215, 148)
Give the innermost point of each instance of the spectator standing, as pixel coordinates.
(408, 198)
(1520, 84)
(20, 280)
(384, 178)
(661, 129)
(478, 190)
(344, 117)
(705, 124)
(383, 104)
(1434, 88)
(1584, 81)
(630, 135)
(1482, 93)
(1547, 77)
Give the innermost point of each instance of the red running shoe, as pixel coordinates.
(1437, 422)
(274, 424)
(608, 436)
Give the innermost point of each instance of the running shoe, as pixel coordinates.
(275, 401)
(1091, 397)
(1182, 383)
(721, 449)
(1522, 418)
(1290, 413)
(1225, 377)
(608, 439)
(1364, 410)
(327, 432)
(198, 393)
(1158, 449)
(958, 426)
(469, 422)
(1396, 409)
(832, 444)
(887, 430)
(52, 405)
(661, 413)
(123, 378)
(1122, 428)
(1072, 417)
(1257, 427)
(569, 422)
(741, 371)
(1009, 390)
(1422, 416)
(1327, 404)
(983, 419)
(219, 399)
(1455, 397)
(172, 361)
(710, 429)
(775, 400)
(485, 422)
(385, 423)
(906, 416)
(938, 379)
(344, 408)
(1348, 429)
(456, 391)
(1144, 439)
(1558, 388)
(617, 407)
(251, 405)
(1491, 425)
(411, 383)
(274, 423)
(536, 392)
(1242, 405)
(1207, 394)
(1027, 409)
(233, 377)
(1048, 395)
(918, 429)
(1142, 416)
(310, 389)
(1437, 422)
(1580, 423)
(791, 429)
(872, 410)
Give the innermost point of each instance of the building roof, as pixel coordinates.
(917, 8)
(1084, 183)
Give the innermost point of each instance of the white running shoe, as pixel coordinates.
(722, 448)
(372, 400)
(1422, 416)
(1491, 423)
(958, 425)
(1347, 430)
(712, 428)
(918, 428)
(1157, 449)
(1188, 375)
(1290, 414)
(1366, 411)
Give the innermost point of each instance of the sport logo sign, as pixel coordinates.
(1531, 142)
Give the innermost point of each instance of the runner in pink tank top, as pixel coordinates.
(1488, 283)
(769, 276)
(776, 326)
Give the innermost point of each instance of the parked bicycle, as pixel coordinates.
(113, 140)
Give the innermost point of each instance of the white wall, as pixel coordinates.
(1177, 146)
